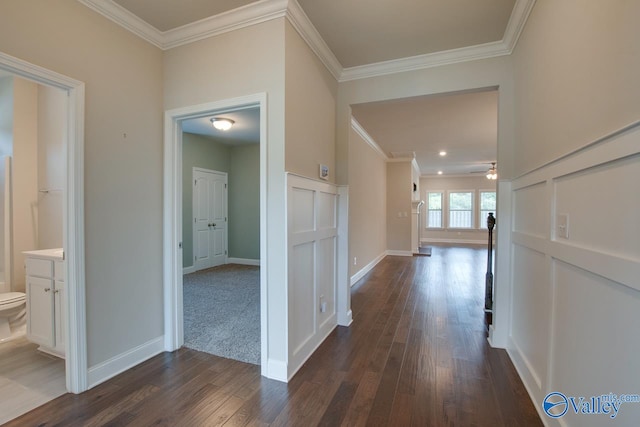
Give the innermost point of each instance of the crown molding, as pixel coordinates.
(245, 16)
(121, 16)
(312, 37)
(357, 127)
(266, 10)
(516, 23)
(427, 60)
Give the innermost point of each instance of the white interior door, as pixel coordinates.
(210, 218)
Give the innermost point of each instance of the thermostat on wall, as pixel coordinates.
(324, 172)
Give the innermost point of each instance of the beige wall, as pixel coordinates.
(576, 67)
(399, 193)
(311, 93)
(244, 62)
(446, 184)
(52, 134)
(367, 204)
(123, 160)
(25, 176)
(494, 72)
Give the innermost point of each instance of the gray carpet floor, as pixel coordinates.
(222, 312)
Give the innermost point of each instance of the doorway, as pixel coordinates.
(69, 195)
(174, 238)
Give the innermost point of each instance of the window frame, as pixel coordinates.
(473, 210)
(482, 220)
(442, 210)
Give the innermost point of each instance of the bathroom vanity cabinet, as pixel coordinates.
(46, 300)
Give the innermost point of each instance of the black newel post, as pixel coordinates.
(488, 286)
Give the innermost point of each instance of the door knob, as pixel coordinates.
(214, 224)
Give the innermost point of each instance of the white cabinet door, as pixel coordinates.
(40, 311)
(59, 313)
(210, 218)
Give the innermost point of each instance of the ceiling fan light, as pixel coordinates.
(493, 172)
(221, 123)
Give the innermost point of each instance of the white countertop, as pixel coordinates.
(56, 254)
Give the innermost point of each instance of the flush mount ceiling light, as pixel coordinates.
(439, 172)
(443, 153)
(493, 172)
(221, 123)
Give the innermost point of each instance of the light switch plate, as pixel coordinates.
(562, 226)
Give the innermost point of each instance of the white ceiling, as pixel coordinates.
(359, 35)
(465, 125)
(245, 130)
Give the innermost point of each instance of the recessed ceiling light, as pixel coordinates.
(439, 172)
(443, 153)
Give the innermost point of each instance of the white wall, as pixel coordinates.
(52, 134)
(6, 115)
(573, 298)
(575, 69)
(122, 161)
(312, 208)
(367, 205)
(446, 184)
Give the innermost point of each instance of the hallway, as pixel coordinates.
(416, 354)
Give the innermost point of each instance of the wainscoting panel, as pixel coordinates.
(611, 191)
(575, 293)
(531, 299)
(595, 348)
(303, 329)
(312, 245)
(531, 210)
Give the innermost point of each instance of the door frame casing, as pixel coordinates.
(172, 218)
(195, 169)
(76, 369)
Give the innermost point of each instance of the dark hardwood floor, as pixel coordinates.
(415, 355)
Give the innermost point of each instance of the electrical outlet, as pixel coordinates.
(355, 260)
(323, 304)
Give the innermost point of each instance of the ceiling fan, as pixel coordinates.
(492, 173)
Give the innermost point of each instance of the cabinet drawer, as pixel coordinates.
(59, 270)
(39, 267)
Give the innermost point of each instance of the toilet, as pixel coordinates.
(12, 315)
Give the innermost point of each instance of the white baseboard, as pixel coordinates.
(310, 350)
(120, 363)
(399, 253)
(346, 319)
(188, 270)
(367, 268)
(276, 370)
(461, 241)
(529, 378)
(243, 261)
